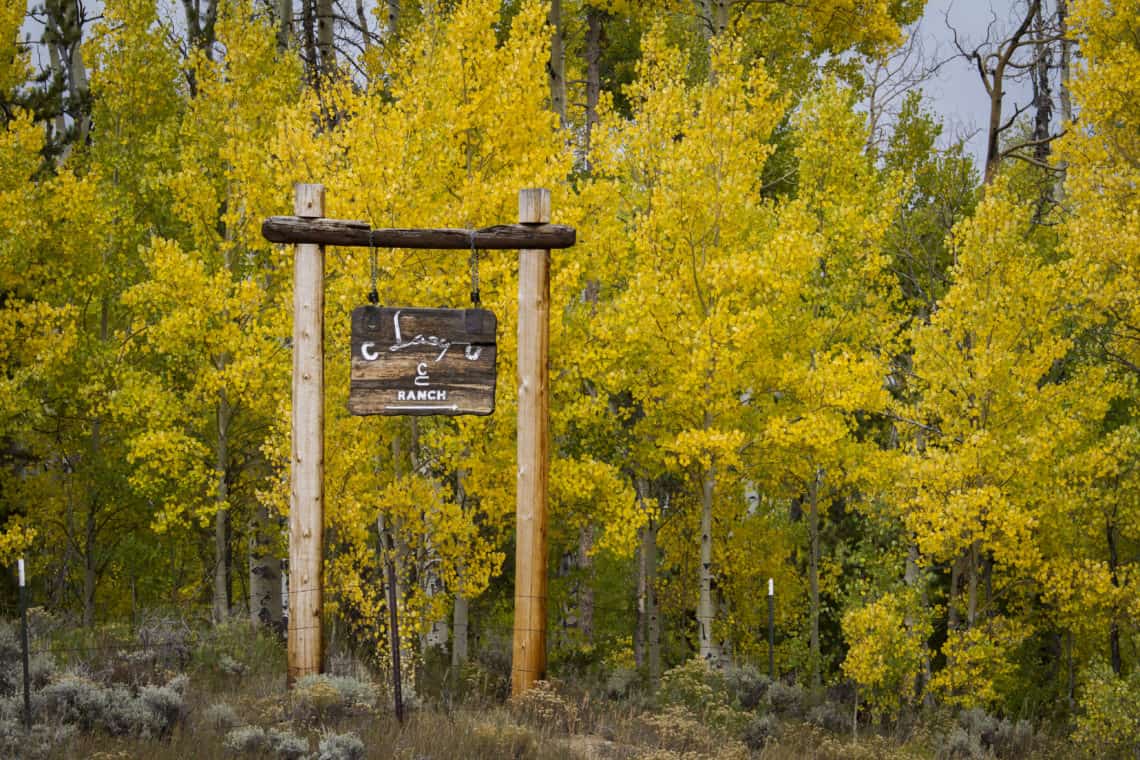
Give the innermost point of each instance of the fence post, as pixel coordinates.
(306, 507)
(528, 656)
(24, 646)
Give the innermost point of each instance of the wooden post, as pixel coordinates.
(528, 659)
(306, 508)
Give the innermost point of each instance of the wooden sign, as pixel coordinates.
(422, 361)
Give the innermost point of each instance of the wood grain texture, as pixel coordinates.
(401, 355)
(295, 230)
(306, 508)
(528, 657)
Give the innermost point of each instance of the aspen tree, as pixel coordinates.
(689, 162)
(205, 314)
(1102, 235)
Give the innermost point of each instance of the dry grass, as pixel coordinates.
(236, 681)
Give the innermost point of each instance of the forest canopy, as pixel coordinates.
(803, 335)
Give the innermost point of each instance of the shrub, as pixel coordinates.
(149, 713)
(704, 691)
(830, 716)
(786, 700)
(680, 735)
(167, 639)
(984, 663)
(321, 697)
(887, 648)
(285, 744)
(1109, 723)
(747, 686)
(245, 739)
(166, 706)
(1000, 736)
(694, 685)
(1013, 739)
(760, 731)
(41, 668)
(274, 742)
(75, 700)
(542, 705)
(220, 717)
(960, 744)
(335, 746)
(229, 666)
(977, 722)
(482, 681)
(124, 714)
(10, 659)
(42, 741)
(238, 643)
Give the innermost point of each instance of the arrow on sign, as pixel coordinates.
(452, 408)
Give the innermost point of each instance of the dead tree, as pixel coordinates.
(1001, 58)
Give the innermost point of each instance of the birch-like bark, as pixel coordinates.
(63, 38)
(705, 608)
(556, 67)
(325, 45)
(713, 16)
(284, 23)
(1064, 95)
(264, 572)
(652, 614)
(223, 559)
(393, 17)
(814, 654)
(641, 630)
(972, 588)
(595, 19)
(586, 583)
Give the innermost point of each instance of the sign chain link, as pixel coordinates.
(474, 271)
(373, 294)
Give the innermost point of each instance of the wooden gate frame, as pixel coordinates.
(310, 232)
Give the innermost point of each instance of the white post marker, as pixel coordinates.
(20, 565)
(771, 587)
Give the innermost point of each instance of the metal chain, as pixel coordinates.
(474, 270)
(373, 294)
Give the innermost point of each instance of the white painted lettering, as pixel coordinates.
(420, 395)
(421, 374)
(367, 352)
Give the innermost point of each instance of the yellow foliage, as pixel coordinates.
(979, 666)
(15, 541)
(887, 649)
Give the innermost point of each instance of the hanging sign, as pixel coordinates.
(422, 361)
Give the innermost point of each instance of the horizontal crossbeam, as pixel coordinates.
(297, 230)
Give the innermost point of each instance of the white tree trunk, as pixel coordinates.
(264, 573)
(706, 611)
